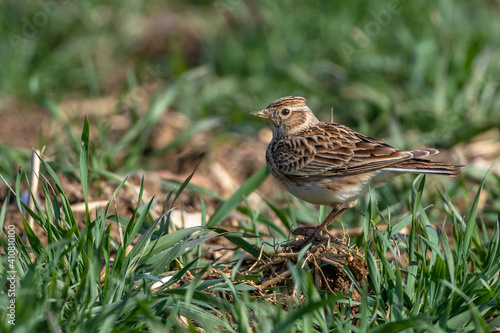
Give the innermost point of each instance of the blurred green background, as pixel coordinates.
(412, 73)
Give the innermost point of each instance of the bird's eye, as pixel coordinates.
(285, 112)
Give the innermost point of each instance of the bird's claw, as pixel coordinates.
(312, 234)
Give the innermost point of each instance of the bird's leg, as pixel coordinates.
(329, 219)
(334, 214)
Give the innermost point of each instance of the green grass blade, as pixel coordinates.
(268, 223)
(373, 270)
(33, 239)
(310, 308)
(84, 166)
(169, 240)
(479, 321)
(183, 185)
(420, 324)
(3, 212)
(238, 241)
(229, 205)
(397, 227)
(450, 259)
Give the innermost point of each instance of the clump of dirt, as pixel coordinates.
(328, 264)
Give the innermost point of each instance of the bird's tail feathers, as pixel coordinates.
(418, 165)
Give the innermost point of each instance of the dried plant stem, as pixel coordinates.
(258, 259)
(269, 264)
(33, 184)
(277, 279)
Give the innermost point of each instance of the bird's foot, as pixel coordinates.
(313, 234)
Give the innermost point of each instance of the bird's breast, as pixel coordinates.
(330, 191)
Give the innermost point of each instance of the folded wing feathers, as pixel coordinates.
(352, 153)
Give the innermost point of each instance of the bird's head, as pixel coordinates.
(288, 115)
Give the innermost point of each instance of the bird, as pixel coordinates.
(330, 164)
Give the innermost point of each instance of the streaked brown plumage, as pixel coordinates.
(330, 164)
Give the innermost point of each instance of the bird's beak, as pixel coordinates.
(260, 114)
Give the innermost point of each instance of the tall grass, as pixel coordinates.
(433, 283)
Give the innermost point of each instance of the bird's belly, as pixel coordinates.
(328, 191)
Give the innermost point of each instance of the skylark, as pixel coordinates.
(330, 164)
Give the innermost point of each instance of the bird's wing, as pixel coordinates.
(330, 149)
